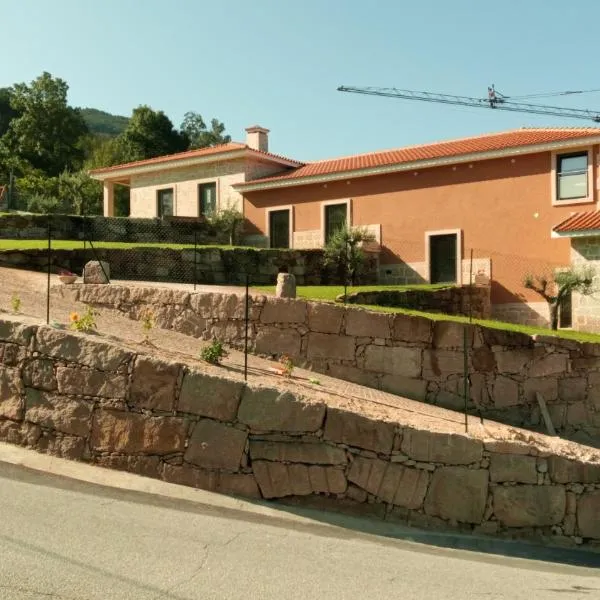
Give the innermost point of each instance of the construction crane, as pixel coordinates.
(494, 100)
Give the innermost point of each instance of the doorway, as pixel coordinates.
(279, 228)
(443, 251)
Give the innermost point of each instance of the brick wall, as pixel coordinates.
(83, 398)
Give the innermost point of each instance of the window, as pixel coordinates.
(572, 176)
(164, 200)
(279, 228)
(336, 217)
(207, 199)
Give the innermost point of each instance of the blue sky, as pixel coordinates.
(278, 63)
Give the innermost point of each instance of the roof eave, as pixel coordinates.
(420, 164)
(576, 234)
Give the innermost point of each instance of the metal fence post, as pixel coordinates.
(195, 258)
(48, 272)
(246, 319)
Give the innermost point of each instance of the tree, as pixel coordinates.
(230, 222)
(194, 127)
(345, 252)
(47, 131)
(554, 290)
(7, 112)
(150, 133)
(80, 193)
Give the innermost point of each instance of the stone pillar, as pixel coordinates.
(109, 199)
(286, 286)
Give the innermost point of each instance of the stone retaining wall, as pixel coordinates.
(212, 265)
(464, 300)
(83, 398)
(410, 356)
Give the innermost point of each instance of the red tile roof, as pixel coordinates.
(519, 138)
(219, 149)
(580, 222)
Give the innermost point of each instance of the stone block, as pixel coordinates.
(551, 364)
(505, 392)
(439, 364)
(507, 447)
(12, 355)
(353, 374)
(26, 434)
(148, 466)
(412, 329)
(88, 382)
(397, 360)
(214, 445)
(153, 383)
(415, 389)
(273, 340)
(11, 388)
(58, 413)
(189, 323)
(588, 515)
(578, 414)
(529, 505)
(361, 323)
(572, 389)
(361, 432)
(483, 359)
(132, 433)
(16, 333)
(80, 349)
(63, 446)
(325, 318)
(96, 272)
(314, 453)
(268, 409)
(281, 310)
(390, 482)
(208, 396)
(39, 374)
(446, 448)
(458, 494)
(334, 347)
(327, 480)
(513, 360)
(286, 286)
(547, 386)
(515, 468)
(448, 334)
(563, 470)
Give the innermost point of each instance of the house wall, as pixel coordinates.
(585, 252)
(185, 183)
(503, 208)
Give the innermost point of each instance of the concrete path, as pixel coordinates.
(84, 538)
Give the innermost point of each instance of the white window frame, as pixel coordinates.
(268, 211)
(217, 194)
(590, 176)
(325, 203)
(429, 235)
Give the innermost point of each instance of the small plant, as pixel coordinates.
(15, 303)
(287, 364)
(147, 322)
(213, 353)
(315, 381)
(85, 322)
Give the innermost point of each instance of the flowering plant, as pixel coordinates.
(85, 322)
(65, 273)
(287, 364)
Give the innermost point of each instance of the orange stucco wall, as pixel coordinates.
(503, 207)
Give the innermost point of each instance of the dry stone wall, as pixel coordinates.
(409, 356)
(83, 398)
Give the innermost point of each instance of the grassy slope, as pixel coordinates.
(6, 245)
(329, 293)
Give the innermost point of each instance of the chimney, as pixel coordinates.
(257, 138)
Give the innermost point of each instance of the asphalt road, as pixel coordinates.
(66, 539)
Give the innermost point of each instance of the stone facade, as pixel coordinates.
(409, 356)
(82, 398)
(585, 252)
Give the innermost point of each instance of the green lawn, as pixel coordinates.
(330, 292)
(78, 245)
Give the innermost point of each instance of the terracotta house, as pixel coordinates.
(494, 198)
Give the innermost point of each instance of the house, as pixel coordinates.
(194, 183)
(442, 212)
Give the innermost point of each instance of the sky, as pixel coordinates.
(278, 63)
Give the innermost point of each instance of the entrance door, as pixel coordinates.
(279, 228)
(442, 258)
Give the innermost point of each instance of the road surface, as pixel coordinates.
(66, 539)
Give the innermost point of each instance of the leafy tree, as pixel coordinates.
(229, 222)
(47, 131)
(150, 133)
(80, 193)
(7, 112)
(345, 252)
(103, 123)
(194, 127)
(554, 290)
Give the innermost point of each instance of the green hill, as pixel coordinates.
(103, 123)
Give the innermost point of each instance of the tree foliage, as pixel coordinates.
(344, 250)
(230, 222)
(194, 127)
(554, 290)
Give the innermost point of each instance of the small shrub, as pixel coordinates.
(84, 323)
(147, 322)
(15, 303)
(213, 353)
(287, 364)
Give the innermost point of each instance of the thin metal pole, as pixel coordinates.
(195, 258)
(466, 378)
(246, 318)
(49, 266)
(471, 288)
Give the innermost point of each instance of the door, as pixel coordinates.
(279, 229)
(442, 258)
